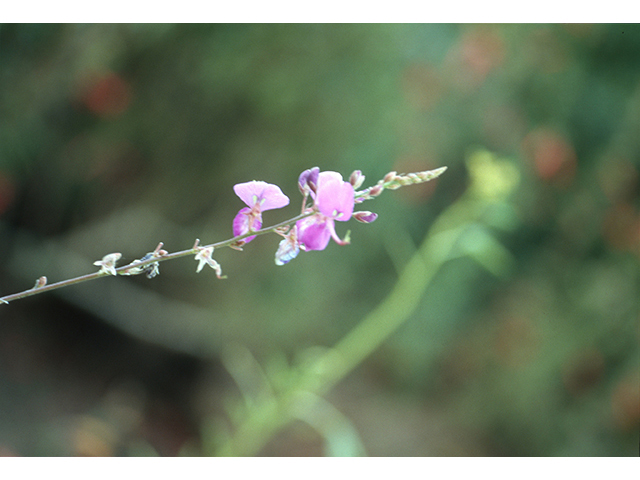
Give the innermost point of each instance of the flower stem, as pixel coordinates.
(163, 258)
(391, 181)
(365, 338)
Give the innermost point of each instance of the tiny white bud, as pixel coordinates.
(108, 263)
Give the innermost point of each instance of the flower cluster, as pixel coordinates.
(326, 198)
(333, 199)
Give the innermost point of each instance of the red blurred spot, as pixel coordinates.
(6, 451)
(7, 192)
(619, 179)
(583, 372)
(553, 157)
(621, 228)
(517, 341)
(107, 96)
(482, 51)
(478, 52)
(625, 404)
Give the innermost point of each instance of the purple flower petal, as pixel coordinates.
(241, 223)
(313, 233)
(365, 216)
(266, 195)
(308, 180)
(335, 198)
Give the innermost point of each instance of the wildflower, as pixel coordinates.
(258, 196)
(334, 200)
(204, 257)
(108, 263)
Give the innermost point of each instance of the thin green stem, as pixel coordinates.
(414, 280)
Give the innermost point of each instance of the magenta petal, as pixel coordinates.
(249, 192)
(335, 198)
(272, 197)
(313, 233)
(308, 180)
(241, 223)
(266, 195)
(328, 176)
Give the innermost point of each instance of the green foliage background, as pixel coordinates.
(117, 137)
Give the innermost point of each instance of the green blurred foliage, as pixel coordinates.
(117, 137)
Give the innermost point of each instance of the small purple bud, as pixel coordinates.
(376, 190)
(356, 179)
(308, 180)
(365, 217)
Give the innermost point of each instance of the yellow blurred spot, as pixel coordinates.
(491, 177)
(94, 438)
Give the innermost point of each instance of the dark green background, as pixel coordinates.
(116, 137)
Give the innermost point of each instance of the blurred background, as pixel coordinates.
(116, 137)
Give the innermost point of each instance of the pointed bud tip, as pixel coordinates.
(389, 177)
(356, 179)
(432, 174)
(365, 216)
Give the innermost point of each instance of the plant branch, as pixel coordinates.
(391, 181)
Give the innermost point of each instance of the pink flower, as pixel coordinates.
(334, 200)
(258, 196)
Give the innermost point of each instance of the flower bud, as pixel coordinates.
(365, 216)
(308, 180)
(108, 263)
(389, 177)
(356, 179)
(376, 190)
